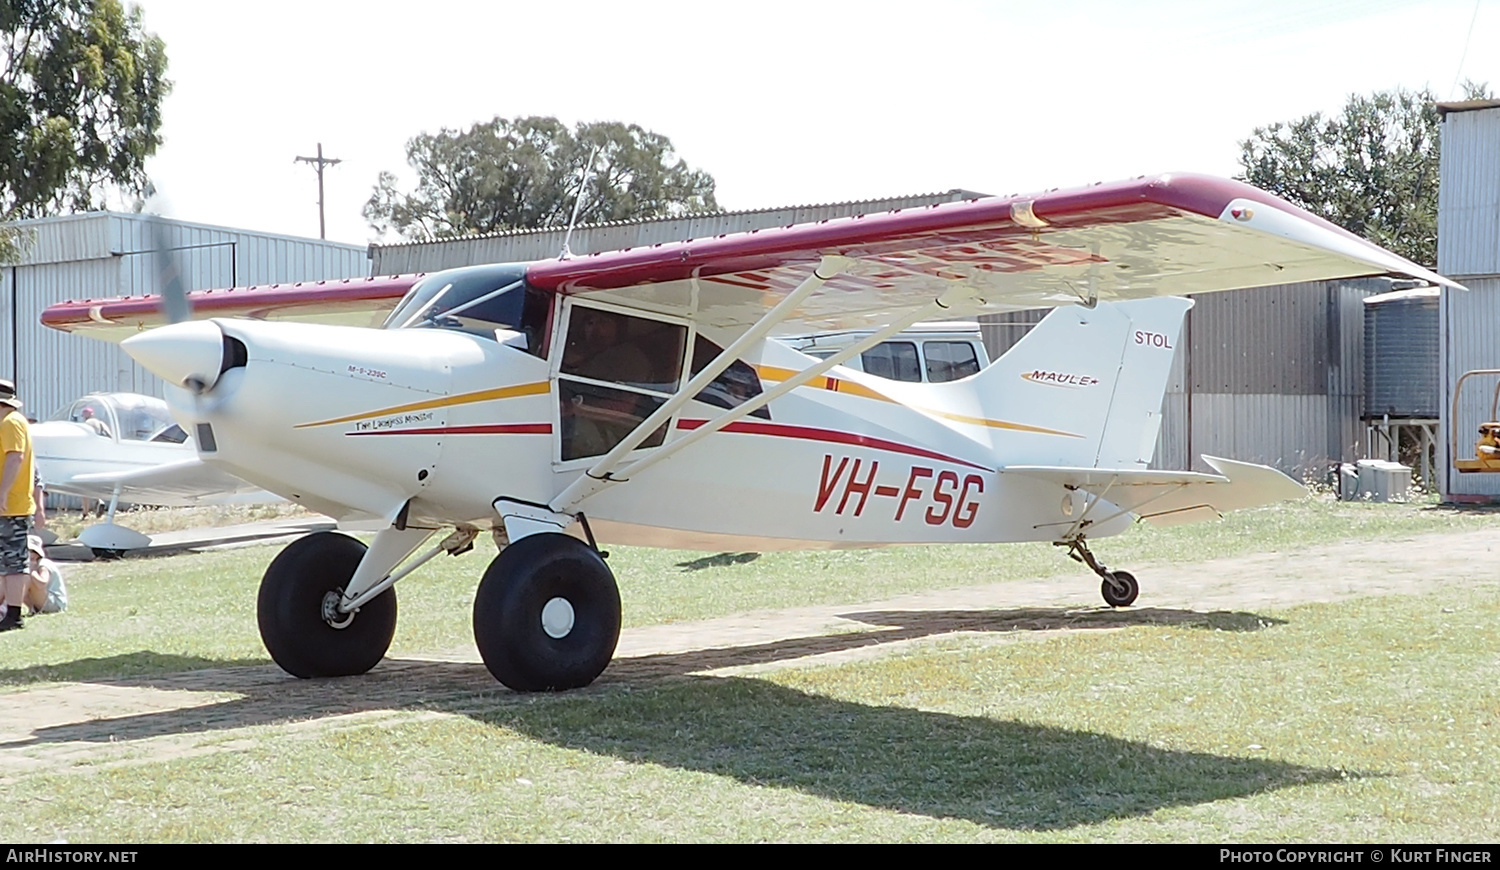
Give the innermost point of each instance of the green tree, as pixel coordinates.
(1372, 170)
(80, 104)
(525, 174)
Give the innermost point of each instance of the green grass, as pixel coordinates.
(1370, 721)
(143, 616)
(1375, 719)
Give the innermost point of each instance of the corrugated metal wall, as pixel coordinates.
(1270, 375)
(523, 246)
(104, 254)
(1469, 252)
(1277, 372)
(1470, 341)
(1469, 194)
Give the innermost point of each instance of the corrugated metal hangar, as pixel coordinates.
(101, 254)
(524, 245)
(1273, 375)
(1469, 252)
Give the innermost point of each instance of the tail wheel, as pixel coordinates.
(547, 614)
(297, 610)
(1120, 589)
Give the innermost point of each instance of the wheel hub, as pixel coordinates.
(557, 618)
(331, 614)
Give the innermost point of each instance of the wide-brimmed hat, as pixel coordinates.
(34, 544)
(8, 394)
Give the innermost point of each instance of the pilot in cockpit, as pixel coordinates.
(93, 422)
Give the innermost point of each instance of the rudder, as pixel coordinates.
(1085, 386)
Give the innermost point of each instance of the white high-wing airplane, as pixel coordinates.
(125, 447)
(633, 397)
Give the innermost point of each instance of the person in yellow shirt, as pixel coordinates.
(17, 478)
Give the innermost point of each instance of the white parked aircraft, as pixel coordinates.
(633, 396)
(125, 447)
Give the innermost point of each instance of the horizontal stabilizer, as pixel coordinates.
(1169, 498)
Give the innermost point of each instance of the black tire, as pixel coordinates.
(289, 610)
(509, 609)
(1120, 597)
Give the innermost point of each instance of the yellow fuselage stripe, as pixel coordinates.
(836, 385)
(535, 389)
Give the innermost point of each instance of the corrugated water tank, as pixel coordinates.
(1401, 354)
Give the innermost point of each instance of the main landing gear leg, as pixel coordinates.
(1119, 587)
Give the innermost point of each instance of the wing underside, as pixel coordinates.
(1160, 236)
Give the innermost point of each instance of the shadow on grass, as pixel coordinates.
(991, 772)
(717, 560)
(269, 695)
(142, 664)
(653, 709)
(1457, 509)
(924, 622)
(996, 773)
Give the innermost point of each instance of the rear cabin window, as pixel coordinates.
(896, 360)
(949, 360)
(733, 387)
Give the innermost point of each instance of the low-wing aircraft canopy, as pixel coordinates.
(125, 448)
(125, 416)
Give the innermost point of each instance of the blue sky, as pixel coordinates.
(782, 102)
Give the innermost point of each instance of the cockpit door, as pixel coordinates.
(613, 369)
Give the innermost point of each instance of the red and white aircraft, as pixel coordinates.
(633, 397)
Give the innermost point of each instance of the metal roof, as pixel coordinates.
(1466, 106)
(877, 204)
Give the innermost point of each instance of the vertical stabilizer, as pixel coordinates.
(1084, 388)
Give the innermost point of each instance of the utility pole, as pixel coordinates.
(318, 163)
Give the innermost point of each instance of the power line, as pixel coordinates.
(318, 163)
(1465, 56)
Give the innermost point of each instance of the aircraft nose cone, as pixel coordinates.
(189, 355)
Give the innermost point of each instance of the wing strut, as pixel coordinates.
(600, 476)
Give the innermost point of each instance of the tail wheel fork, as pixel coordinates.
(1119, 588)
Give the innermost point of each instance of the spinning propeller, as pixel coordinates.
(186, 353)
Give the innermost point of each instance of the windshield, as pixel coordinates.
(490, 294)
(126, 416)
(477, 300)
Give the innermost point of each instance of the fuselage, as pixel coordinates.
(435, 424)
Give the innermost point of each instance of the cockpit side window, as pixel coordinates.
(616, 370)
(624, 349)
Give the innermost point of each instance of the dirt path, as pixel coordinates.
(79, 726)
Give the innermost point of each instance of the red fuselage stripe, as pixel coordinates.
(830, 436)
(497, 429)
